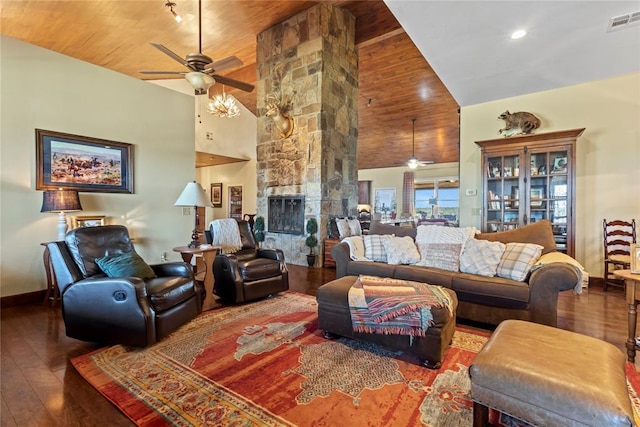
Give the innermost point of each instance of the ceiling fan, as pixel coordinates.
(413, 161)
(201, 67)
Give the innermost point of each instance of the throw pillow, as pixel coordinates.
(401, 250)
(445, 256)
(481, 257)
(517, 260)
(356, 248)
(128, 264)
(354, 227)
(443, 234)
(343, 228)
(374, 247)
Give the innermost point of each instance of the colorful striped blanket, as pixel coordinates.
(382, 305)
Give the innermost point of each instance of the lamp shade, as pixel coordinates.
(193, 195)
(60, 201)
(201, 82)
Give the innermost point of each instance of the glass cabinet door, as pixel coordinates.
(549, 192)
(503, 193)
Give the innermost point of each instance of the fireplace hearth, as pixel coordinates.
(286, 214)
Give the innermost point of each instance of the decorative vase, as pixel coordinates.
(311, 260)
(251, 221)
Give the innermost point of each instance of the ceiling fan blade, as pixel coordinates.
(233, 83)
(162, 72)
(169, 53)
(223, 64)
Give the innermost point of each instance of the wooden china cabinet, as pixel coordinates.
(529, 178)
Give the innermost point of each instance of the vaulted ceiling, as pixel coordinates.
(394, 78)
(466, 42)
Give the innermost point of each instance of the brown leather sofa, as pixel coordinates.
(250, 273)
(123, 310)
(482, 299)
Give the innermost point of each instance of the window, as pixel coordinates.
(438, 198)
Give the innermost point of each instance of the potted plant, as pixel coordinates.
(258, 230)
(312, 240)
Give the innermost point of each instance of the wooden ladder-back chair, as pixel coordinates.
(618, 237)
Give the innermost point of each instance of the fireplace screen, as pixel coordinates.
(286, 214)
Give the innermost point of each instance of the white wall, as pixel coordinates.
(235, 137)
(607, 153)
(46, 90)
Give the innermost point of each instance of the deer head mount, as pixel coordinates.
(279, 106)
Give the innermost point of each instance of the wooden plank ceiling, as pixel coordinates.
(395, 82)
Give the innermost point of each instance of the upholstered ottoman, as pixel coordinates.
(550, 377)
(334, 318)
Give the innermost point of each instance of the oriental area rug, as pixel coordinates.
(267, 364)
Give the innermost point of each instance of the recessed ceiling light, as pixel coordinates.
(518, 34)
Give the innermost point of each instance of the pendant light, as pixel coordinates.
(413, 161)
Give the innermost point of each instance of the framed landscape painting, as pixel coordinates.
(216, 195)
(82, 163)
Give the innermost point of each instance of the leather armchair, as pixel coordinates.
(119, 310)
(250, 273)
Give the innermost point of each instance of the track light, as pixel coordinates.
(170, 5)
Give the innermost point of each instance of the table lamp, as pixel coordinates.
(194, 195)
(61, 201)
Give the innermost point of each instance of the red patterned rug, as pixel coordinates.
(267, 364)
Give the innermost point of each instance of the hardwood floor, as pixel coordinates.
(39, 387)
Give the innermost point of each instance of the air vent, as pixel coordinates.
(623, 21)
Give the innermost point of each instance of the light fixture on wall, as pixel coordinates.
(223, 106)
(194, 195)
(413, 161)
(170, 5)
(200, 82)
(61, 201)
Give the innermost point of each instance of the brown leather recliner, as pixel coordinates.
(119, 310)
(250, 273)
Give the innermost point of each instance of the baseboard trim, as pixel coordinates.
(22, 299)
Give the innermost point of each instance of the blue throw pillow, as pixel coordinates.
(128, 264)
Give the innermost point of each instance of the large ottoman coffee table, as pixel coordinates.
(550, 377)
(334, 318)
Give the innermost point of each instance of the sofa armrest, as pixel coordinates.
(544, 285)
(228, 281)
(274, 254)
(121, 303)
(341, 255)
(180, 269)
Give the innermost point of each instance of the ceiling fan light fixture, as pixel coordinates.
(200, 82)
(223, 105)
(412, 162)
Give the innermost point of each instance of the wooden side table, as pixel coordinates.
(632, 295)
(52, 295)
(328, 260)
(208, 254)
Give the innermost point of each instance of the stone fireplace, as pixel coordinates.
(311, 60)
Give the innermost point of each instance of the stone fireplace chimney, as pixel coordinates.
(311, 61)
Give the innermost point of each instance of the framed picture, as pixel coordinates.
(537, 194)
(635, 258)
(87, 221)
(235, 201)
(384, 200)
(559, 165)
(216, 194)
(82, 163)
